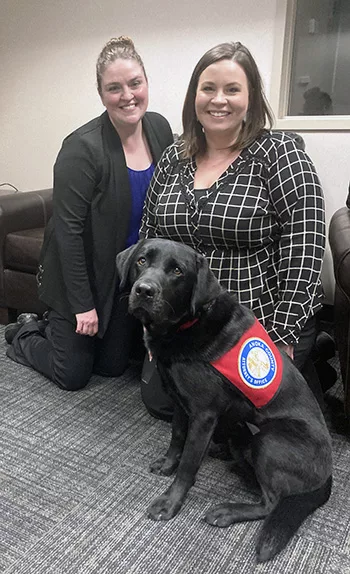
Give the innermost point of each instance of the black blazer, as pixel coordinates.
(91, 212)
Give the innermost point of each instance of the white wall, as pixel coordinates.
(47, 70)
(47, 64)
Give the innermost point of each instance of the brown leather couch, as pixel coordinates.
(339, 240)
(23, 217)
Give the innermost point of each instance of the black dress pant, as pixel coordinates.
(69, 359)
(303, 358)
(160, 404)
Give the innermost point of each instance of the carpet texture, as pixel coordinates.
(75, 486)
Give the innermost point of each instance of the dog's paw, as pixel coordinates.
(163, 466)
(266, 550)
(163, 508)
(221, 515)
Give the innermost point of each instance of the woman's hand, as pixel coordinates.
(289, 349)
(87, 323)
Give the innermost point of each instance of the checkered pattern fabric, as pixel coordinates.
(261, 225)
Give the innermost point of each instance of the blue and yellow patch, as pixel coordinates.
(254, 365)
(257, 364)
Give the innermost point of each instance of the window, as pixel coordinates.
(311, 72)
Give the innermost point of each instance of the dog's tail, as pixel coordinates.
(285, 519)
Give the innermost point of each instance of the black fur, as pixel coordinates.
(290, 447)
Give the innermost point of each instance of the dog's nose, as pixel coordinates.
(145, 289)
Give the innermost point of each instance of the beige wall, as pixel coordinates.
(47, 70)
(47, 64)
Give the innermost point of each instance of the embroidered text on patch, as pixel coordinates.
(254, 365)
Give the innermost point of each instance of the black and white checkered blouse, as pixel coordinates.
(261, 225)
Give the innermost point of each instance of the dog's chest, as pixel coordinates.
(254, 365)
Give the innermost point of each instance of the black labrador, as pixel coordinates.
(222, 369)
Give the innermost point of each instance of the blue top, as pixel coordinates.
(139, 182)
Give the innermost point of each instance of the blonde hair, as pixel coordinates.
(121, 47)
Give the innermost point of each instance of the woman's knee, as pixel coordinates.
(111, 369)
(72, 377)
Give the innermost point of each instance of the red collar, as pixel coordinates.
(188, 324)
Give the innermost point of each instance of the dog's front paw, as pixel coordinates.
(221, 515)
(163, 508)
(164, 466)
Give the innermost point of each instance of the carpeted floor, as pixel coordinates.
(74, 488)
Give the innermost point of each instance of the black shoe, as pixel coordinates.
(324, 347)
(43, 322)
(327, 375)
(12, 329)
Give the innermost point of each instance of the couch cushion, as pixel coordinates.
(21, 292)
(22, 249)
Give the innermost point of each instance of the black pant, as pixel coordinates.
(160, 405)
(303, 360)
(69, 359)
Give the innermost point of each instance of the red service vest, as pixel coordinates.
(254, 365)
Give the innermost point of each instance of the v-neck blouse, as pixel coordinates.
(261, 225)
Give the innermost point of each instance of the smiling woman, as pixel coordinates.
(222, 100)
(221, 105)
(246, 197)
(124, 93)
(100, 180)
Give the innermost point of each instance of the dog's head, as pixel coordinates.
(169, 282)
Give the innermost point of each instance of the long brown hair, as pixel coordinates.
(258, 114)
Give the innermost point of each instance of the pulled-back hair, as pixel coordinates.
(121, 47)
(258, 114)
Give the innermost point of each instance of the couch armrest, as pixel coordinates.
(26, 210)
(19, 211)
(339, 241)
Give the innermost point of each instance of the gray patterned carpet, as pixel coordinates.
(74, 487)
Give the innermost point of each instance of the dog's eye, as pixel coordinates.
(141, 261)
(177, 271)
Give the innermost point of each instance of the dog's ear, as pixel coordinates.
(206, 287)
(124, 260)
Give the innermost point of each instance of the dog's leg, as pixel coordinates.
(289, 477)
(230, 512)
(167, 464)
(285, 519)
(301, 479)
(198, 437)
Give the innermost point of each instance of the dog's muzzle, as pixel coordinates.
(145, 290)
(146, 301)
